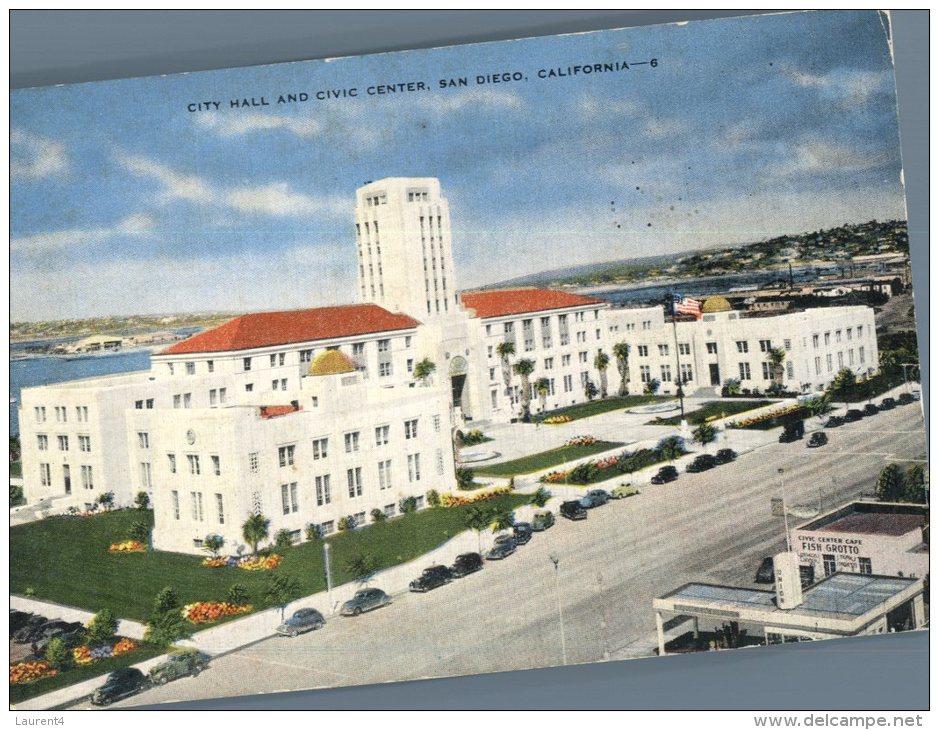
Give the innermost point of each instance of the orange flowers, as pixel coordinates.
(260, 562)
(30, 671)
(123, 646)
(206, 612)
(128, 546)
(215, 562)
(449, 500)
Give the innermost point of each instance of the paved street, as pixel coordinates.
(714, 526)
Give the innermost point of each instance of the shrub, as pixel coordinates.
(166, 600)
(378, 515)
(465, 477)
(731, 387)
(313, 532)
(540, 498)
(583, 473)
(213, 543)
(282, 539)
(58, 654)
(433, 498)
(652, 387)
(106, 500)
(142, 500)
(102, 628)
(346, 523)
(408, 505)
(16, 496)
(166, 628)
(140, 531)
(238, 594)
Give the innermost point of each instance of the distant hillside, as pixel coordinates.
(833, 245)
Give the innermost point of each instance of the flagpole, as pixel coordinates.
(681, 391)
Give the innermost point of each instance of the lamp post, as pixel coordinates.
(329, 577)
(782, 485)
(557, 589)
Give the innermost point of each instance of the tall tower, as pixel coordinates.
(405, 258)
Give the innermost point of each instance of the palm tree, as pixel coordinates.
(477, 519)
(523, 368)
(621, 352)
(601, 362)
(501, 519)
(505, 350)
(776, 356)
(255, 529)
(705, 433)
(423, 370)
(542, 388)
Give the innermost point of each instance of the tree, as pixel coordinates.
(423, 370)
(346, 523)
(819, 406)
(731, 387)
(166, 624)
(671, 447)
(915, 485)
(102, 628)
(621, 352)
(140, 531)
(844, 382)
(361, 566)
(464, 477)
(477, 518)
(505, 350)
(408, 505)
(652, 387)
(590, 390)
(542, 388)
(166, 600)
(313, 532)
(15, 450)
(142, 500)
(106, 500)
(213, 543)
(378, 515)
(524, 368)
(281, 590)
(432, 497)
(705, 434)
(540, 498)
(776, 357)
(255, 529)
(891, 486)
(601, 362)
(58, 654)
(282, 539)
(238, 594)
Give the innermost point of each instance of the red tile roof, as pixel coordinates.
(266, 329)
(275, 411)
(502, 302)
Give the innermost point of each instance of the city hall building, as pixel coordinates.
(309, 416)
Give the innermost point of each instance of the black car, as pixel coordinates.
(905, 398)
(834, 422)
(725, 456)
(121, 683)
(431, 578)
(665, 474)
(466, 563)
(792, 431)
(573, 510)
(502, 549)
(871, 410)
(764, 574)
(31, 630)
(70, 633)
(522, 532)
(18, 620)
(853, 415)
(594, 498)
(819, 438)
(887, 404)
(702, 462)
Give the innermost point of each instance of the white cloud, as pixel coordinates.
(847, 88)
(235, 124)
(820, 156)
(32, 156)
(48, 242)
(273, 199)
(475, 98)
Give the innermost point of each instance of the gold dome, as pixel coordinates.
(331, 362)
(715, 304)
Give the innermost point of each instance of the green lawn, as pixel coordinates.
(66, 559)
(544, 459)
(714, 408)
(21, 692)
(602, 405)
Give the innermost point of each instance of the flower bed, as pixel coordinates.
(581, 441)
(205, 612)
(128, 546)
(215, 563)
(260, 562)
(555, 420)
(773, 418)
(589, 472)
(85, 655)
(23, 672)
(450, 500)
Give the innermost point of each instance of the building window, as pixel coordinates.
(546, 332)
(818, 365)
(712, 348)
(528, 334)
(322, 490)
(414, 467)
(565, 361)
(84, 443)
(285, 455)
(190, 368)
(384, 474)
(765, 345)
(45, 475)
(288, 496)
(851, 356)
(829, 562)
(306, 356)
(840, 360)
(663, 350)
(274, 384)
(410, 429)
(196, 498)
(63, 443)
(150, 404)
(743, 346)
(210, 365)
(328, 527)
(549, 363)
(138, 404)
(815, 341)
(837, 335)
(494, 398)
(193, 460)
(61, 414)
(410, 364)
(42, 442)
(88, 481)
(187, 400)
(169, 367)
(744, 370)
(860, 330)
(213, 397)
(790, 370)
(827, 339)
(642, 350)
(860, 354)
(767, 375)
(381, 435)
(685, 372)
(143, 440)
(437, 423)
(828, 362)
(216, 465)
(354, 481)
(172, 460)
(220, 508)
(145, 474)
(319, 448)
(582, 356)
(40, 414)
(389, 511)
(439, 461)
(249, 387)
(82, 413)
(864, 566)
(666, 373)
(568, 383)
(175, 496)
(352, 441)
(787, 345)
(684, 348)
(252, 462)
(273, 360)
(247, 364)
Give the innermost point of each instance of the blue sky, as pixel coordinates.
(124, 202)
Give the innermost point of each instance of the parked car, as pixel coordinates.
(887, 404)
(70, 633)
(853, 415)
(18, 620)
(502, 549)
(725, 456)
(186, 663)
(834, 422)
(573, 510)
(302, 620)
(905, 398)
(505, 539)
(29, 631)
(594, 498)
(665, 474)
(120, 684)
(792, 431)
(521, 531)
(871, 410)
(623, 491)
(466, 563)
(431, 578)
(819, 438)
(48, 630)
(542, 520)
(764, 574)
(367, 599)
(702, 462)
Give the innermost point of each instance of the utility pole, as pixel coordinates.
(557, 589)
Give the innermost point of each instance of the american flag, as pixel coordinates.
(686, 305)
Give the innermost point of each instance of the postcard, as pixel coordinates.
(552, 351)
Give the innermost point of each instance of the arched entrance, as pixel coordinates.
(457, 373)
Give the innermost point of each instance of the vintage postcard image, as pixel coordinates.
(512, 355)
